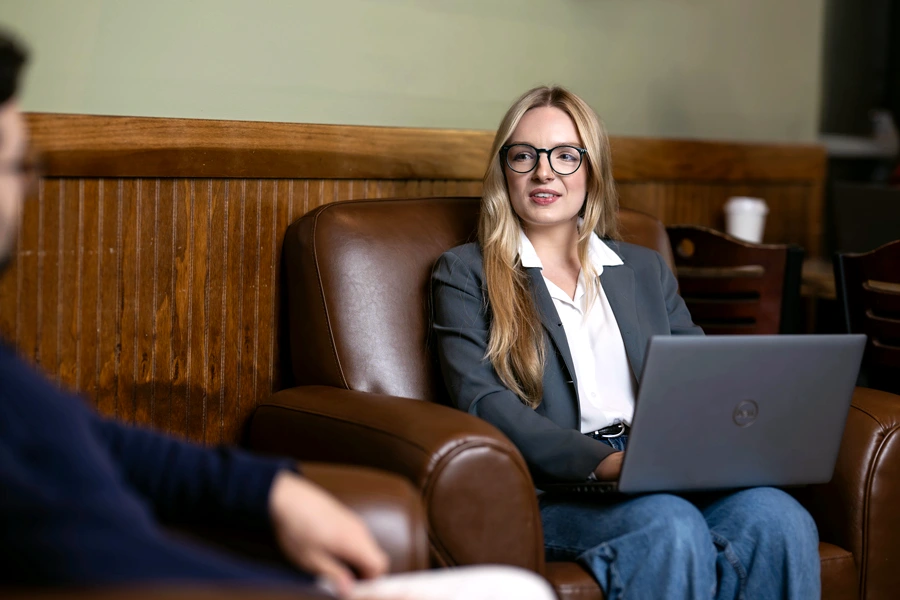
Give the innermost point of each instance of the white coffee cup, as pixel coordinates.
(745, 218)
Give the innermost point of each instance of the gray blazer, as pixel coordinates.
(644, 297)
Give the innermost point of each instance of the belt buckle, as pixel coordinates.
(617, 434)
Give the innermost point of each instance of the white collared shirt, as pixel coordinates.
(606, 385)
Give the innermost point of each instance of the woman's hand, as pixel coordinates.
(321, 536)
(609, 467)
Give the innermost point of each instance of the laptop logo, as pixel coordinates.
(745, 413)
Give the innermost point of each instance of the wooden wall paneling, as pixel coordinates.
(141, 282)
(147, 272)
(107, 279)
(640, 196)
(160, 198)
(87, 249)
(283, 215)
(178, 384)
(67, 286)
(51, 316)
(200, 238)
(217, 201)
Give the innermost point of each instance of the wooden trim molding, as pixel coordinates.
(97, 146)
(102, 146)
(646, 159)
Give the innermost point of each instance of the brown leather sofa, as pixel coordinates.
(368, 392)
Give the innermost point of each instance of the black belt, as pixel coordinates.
(612, 431)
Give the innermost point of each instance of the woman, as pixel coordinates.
(541, 328)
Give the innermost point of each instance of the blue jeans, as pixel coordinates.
(752, 544)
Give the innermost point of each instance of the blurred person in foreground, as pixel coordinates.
(83, 497)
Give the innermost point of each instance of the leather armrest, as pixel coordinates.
(858, 508)
(478, 494)
(389, 505)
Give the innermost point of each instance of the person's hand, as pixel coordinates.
(609, 467)
(320, 535)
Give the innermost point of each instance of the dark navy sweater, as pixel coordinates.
(82, 497)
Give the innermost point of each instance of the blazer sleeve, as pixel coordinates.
(680, 321)
(461, 327)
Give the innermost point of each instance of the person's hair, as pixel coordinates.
(12, 59)
(516, 340)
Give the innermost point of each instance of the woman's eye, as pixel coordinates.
(522, 156)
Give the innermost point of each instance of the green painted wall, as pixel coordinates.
(739, 69)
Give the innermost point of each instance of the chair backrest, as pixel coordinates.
(357, 276)
(736, 287)
(868, 290)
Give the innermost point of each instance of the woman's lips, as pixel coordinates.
(543, 197)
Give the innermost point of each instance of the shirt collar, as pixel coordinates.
(600, 253)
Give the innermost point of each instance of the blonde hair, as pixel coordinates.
(516, 339)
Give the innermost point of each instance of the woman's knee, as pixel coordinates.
(773, 514)
(676, 523)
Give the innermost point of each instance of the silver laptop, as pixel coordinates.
(722, 412)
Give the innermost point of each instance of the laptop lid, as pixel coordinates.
(722, 412)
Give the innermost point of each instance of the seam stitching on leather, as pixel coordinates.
(315, 252)
(363, 425)
(883, 425)
(870, 482)
(834, 558)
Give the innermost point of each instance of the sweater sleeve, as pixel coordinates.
(186, 482)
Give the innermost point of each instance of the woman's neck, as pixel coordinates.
(557, 247)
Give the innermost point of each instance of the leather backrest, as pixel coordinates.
(357, 275)
(640, 228)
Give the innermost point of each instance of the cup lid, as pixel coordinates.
(746, 203)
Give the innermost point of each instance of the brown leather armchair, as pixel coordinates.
(369, 393)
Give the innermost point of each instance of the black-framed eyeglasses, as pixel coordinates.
(523, 158)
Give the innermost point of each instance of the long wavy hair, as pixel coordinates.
(516, 340)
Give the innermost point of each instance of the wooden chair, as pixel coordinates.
(868, 290)
(736, 287)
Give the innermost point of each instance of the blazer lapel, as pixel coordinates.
(551, 321)
(618, 283)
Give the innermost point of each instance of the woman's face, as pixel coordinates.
(542, 198)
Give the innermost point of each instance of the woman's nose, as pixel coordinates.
(542, 171)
